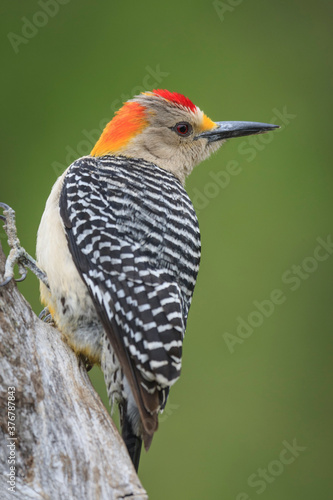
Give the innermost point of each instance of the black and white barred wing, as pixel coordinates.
(129, 244)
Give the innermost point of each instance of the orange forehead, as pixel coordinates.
(129, 121)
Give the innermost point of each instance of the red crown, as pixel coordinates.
(178, 99)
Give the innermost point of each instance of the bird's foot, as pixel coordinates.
(46, 316)
(17, 255)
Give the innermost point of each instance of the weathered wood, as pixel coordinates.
(66, 446)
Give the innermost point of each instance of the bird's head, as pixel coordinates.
(167, 129)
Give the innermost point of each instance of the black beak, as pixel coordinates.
(225, 130)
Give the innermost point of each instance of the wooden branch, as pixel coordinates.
(64, 444)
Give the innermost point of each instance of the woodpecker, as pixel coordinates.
(119, 242)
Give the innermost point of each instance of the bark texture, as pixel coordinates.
(66, 445)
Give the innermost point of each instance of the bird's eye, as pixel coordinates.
(183, 128)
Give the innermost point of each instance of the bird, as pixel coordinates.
(119, 242)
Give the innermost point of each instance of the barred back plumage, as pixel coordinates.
(134, 237)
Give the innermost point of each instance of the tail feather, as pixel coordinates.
(132, 441)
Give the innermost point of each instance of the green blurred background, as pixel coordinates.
(239, 399)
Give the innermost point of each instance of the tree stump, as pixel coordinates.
(57, 439)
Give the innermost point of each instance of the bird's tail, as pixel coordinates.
(132, 441)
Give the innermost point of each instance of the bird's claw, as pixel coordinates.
(7, 280)
(45, 316)
(5, 206)
(17, 254)
(43, 313)
(23, 273)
